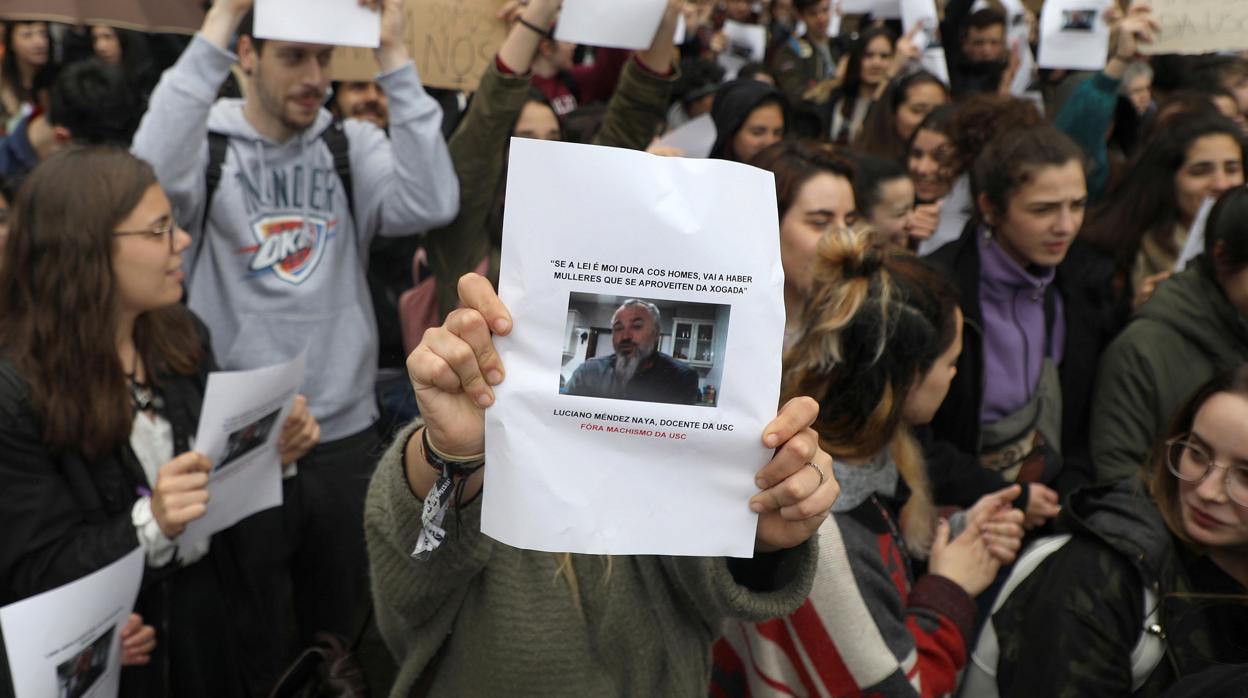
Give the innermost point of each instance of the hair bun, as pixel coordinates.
(849, 254)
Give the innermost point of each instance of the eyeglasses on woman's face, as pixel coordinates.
(167, 228)
(1192, 462)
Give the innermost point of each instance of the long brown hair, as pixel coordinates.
(877, 320)
(59, 305)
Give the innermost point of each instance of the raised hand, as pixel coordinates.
(798, 488)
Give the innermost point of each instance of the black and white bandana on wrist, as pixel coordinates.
(448, 490)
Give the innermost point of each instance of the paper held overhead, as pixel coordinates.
(331, 22)
(452, 41)
(1199, 26)
(1074, 34)
(610, 23)
(694, 138)
(644, 363)
(880, 9)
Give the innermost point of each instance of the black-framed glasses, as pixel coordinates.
(1191, 462)
(167, 229)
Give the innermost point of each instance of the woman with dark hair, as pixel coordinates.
(1039, 312)
(871, 64)
(1160, 559)
(929, 160)
(128, 50)
(26, 58)
(879, 349)
(1189, 330)
(1144, 220)
(102, 372)
(749, 115)
(505, 106)
(884, 197)
(814, 195)
(895, 117)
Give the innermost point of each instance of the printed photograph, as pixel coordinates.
(1078, 20)
(247, 439)
(80, 673)
(643, 349)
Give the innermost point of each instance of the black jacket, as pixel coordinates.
(217, 620)
(1092, 319)
(1069, 627)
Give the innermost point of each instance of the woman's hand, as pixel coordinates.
(300, 433)
(1042, 505)
(965, 560)
(181, 492)
(1000, 523)
(137, 642)
(924, 220)
(455, 366)
(795, 498)
(1146, 288)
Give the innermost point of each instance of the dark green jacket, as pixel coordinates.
(1180, 338)
(1069, 628)
(479, 150)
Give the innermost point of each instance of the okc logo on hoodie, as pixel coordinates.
(291, 246)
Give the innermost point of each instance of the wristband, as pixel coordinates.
(544, 33)
(447, 491)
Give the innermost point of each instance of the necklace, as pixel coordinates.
(897, 539)
(142, 396)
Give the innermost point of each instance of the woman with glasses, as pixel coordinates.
(102, 372)
(1161, 557)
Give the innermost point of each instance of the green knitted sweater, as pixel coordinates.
(506, 623)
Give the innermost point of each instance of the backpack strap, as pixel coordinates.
(335, 138)
(218, 148)
(1151, 647)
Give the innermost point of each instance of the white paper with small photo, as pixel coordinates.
(746, 43)
(241, 420)
(1073, 34)
(332, 22)
(614, 433)
(65, 643)
(610, 23)
(927, 40)
(694, 138)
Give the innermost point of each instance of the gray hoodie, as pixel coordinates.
(281, 266)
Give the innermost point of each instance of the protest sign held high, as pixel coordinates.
(452, 42)
(1200, 26)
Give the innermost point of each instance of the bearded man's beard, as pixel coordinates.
(626, 366)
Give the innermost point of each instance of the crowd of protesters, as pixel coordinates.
(1009, 458)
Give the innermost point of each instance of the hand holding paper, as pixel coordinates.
(137, 642)
(300, 433)
(798, 486)
(180, 494)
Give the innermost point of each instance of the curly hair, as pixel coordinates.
(980, 118)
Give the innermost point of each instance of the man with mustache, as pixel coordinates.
(281, 231)
(360, 99)
(636, 371)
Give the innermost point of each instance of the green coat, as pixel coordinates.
(505, 622)
(1187, 332)
(479, 150)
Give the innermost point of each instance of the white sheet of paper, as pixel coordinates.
(242, 418)
(927, 40)
(318, 22)
(682, 31)
(746, 43)
(834, 22)
(1073, 34)
(954, 214)
(1195, 245)
(67, 641)
(617, 472)
(880, 9)
(696, 137)
(610, 23)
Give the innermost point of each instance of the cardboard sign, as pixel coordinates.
(1200, 26)
(452, 42)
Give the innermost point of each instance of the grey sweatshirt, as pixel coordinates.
(280, 267)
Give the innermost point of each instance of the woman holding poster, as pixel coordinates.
(102, 372)
(476, 617)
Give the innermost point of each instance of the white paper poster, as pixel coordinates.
(239, 425)
(610, 23)
(955, 212)
(1195, 245)
(746, 43)
(318, 22)
(614, 433)
(1073, 34)
(66, 643)
(695, 137)
(927, 40)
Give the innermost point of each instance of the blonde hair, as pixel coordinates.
(876, 320)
